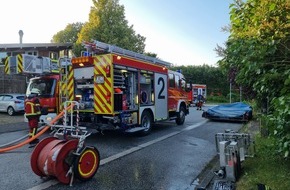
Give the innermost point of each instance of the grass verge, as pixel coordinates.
(267, 167)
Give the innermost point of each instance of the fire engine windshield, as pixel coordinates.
(45, 87)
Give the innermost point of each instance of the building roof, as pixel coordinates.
(35, 46)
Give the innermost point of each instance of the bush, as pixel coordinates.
(235, 97)
(216, 99)
(266, 167)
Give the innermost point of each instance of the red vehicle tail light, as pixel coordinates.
(108, 97)
(108, 71)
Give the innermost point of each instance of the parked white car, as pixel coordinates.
(12, 103)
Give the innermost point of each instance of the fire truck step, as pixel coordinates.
(172, 118)
(133, 130)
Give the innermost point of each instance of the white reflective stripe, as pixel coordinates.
(45, 167)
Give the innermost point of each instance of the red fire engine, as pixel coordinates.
(115, 88)
(196, 89)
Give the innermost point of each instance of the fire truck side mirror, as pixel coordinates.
(179, 82)
(188, 87)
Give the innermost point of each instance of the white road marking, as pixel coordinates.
(124, 153)
(45, 185)
(195, 125)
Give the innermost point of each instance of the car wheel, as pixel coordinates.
(10, 111)
(180, 116)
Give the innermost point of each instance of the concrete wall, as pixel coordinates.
(12, 83)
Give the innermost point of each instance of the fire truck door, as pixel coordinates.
(161, 96)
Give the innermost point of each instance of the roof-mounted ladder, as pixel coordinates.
(104, 47)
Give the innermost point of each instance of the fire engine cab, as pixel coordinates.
(115, 88)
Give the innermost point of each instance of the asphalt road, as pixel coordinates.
(169, 158)
(12, 123)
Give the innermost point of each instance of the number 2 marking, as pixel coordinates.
(161, 80)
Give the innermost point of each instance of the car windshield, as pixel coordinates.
(45, 87)
(20, 97)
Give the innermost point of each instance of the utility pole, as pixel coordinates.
(241, 93)
(230, 90)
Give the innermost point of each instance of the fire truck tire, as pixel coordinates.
(146, 123)
(87, 164)
(180, 116)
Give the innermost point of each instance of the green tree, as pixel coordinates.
(107, 23)
(213, 77)
(151, 54)
(69, 34)
(257, 57)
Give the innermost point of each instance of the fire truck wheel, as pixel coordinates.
(180, 116)
(146, 123)
(87, 164)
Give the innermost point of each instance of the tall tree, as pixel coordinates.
(257, 56)
(69, 34)
(107, 23)
(213, 77)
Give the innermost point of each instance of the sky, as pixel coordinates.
(182, 32)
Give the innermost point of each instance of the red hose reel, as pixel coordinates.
(59, 158)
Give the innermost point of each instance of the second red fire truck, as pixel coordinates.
(196, 89)
(115, 88)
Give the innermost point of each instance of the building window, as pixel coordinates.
(3, 55)
(65, 53)
(35, 53)
(53, 55)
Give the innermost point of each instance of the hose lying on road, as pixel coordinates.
(18, 140)
(45, 128)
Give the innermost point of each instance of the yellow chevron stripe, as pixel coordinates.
(108, 58)
(101, 70)
(101, 106)
(102, 102)
(67, 86)
(63, 79)
(63, 88)
(97, 96)
(97, 109)
(7, 66)
(71, 84)
(19, 63)
(102, 94)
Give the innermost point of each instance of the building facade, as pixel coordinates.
(18, 83)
